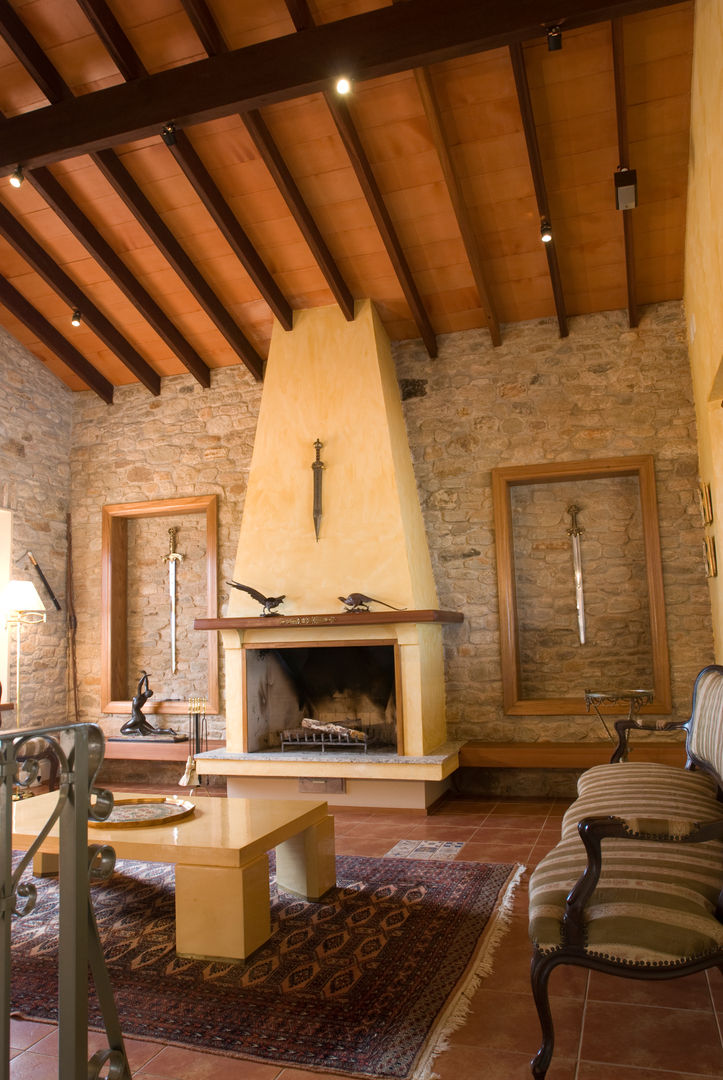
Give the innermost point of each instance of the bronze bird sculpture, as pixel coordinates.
(268, 602)
(357, 601)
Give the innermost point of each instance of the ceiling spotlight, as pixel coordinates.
(626, 188)
(343, 85)
(16, 178)
(168, 134)
(75, 318)
(545, 231)
(554, 38)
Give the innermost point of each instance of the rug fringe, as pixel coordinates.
(481, 966)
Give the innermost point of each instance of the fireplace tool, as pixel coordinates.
(198, 739)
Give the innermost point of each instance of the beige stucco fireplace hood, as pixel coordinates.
(333, 381)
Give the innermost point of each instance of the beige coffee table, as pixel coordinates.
(221, 859)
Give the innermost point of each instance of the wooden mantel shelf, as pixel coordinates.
(346, 618)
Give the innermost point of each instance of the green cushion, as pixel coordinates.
(654, 902)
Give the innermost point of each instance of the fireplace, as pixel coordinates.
(330, 396)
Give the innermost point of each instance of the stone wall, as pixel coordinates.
(605, 391)
(188, 441)
(35, 426)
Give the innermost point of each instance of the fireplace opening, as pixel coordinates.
(342, 687)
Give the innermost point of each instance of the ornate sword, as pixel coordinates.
(574, 533)
(317, 466)
(172, 558)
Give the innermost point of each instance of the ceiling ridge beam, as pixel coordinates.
(538, 178)
(24, 311)
(98, 247)
(382, 218)
(433, 113)
(381, 42)
(137, 202)
(621, 106)
(44, 265)
(184, 153)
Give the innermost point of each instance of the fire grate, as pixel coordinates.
(308, 739)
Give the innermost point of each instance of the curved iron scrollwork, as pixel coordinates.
(78, 751)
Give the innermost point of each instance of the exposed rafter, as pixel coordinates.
(196, 172)
(58, 200)
(466, 229)
(380, 42)
(106, 26)
(131, 194)
(212, 40)
(538, 178)
(37, 324)
(624, 161)
(42, 263)
(31, 56)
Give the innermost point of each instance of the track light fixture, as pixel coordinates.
(17, 177)
(626, 188)
(545, 231)
(554, 38)
(75, 318)
(168, 134)
(343, 85)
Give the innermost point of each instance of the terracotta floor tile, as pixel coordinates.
(508, 1021)
(177, 1063)
(517, 821)
(390, 831)
(373, 847)
(595, 1071)
(512, 972)
(490, 832)
(432, 831)
(24, 1033)
(690, 992)
(652, 1038)
(492, 852)
(474, 1063)
(30, 1066)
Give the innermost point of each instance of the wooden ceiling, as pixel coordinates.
(180, 209)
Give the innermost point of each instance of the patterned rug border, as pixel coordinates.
(451, 1018)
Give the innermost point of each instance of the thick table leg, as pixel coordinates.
(305, 863)
(222, 912)
(46, 863)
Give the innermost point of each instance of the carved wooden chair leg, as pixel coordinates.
(541, 970)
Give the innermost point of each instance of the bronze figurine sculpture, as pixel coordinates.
(268, 602)
(357, 601)
(138, 725)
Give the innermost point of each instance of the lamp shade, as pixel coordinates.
(20, 596)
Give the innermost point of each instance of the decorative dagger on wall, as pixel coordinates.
(318, 467)
(574, 533)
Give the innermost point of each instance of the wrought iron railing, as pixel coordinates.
(79, 750)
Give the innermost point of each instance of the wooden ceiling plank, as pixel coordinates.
(129, 191)
(38, 325)
(42, 263)
(367, 181)
(213, 42)
(83, 229)
(108, 30)
(624, 161)
(538, 178)
(380, 42)
(31, 56)
(182, 149)
(469, 239)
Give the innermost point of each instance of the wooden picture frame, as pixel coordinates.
(503, 479)
(114, 590)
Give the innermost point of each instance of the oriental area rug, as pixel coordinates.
(367, 982)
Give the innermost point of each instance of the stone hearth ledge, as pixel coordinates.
(436, 766)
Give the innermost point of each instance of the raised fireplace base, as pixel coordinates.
(384, 780)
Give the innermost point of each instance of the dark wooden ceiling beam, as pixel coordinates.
(37, 324)
(302, 19)
(367, 181)
(205, 187)
(387, 40)
(106, 26)
(538, 178)
(621, 111)
(131, 194)
(31, 56)
(97, 246)
(464, 221)
(213, 42)
(42, 263)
